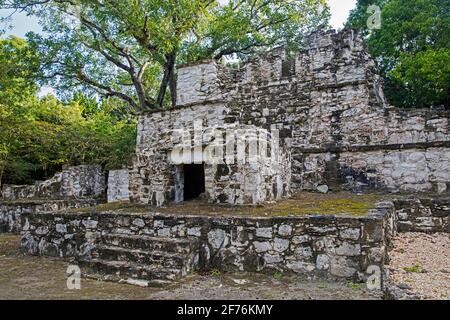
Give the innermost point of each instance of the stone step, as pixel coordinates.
(136, 282)
(127, 272)
(145, 257)
(143, 242)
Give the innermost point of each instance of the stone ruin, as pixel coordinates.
(73, 187)
(86, 181)
(316, 120)
(325, 117)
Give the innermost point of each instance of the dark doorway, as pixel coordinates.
(194, 180)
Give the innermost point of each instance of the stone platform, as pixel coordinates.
(333, 236)
(11, 210)
(147, 246)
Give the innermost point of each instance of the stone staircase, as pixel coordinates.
(140, 260)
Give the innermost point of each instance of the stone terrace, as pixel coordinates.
(328, 236)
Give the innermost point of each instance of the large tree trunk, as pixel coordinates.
(140, 93)
(168, 78)
(163, 88)
(173, 83)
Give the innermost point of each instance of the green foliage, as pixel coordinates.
(277, 275)
(358, 16)
(38, 136)
(216, 273)
(412, 48)
(248, 27)
(19, 64)
(356, 286)
(128, 49)
(54, 134)
(421, 79)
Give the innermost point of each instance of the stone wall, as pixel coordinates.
(155, 175)
(86, 181)
(41, 189)
(11, 211)
(323, 246)
(411, 170)
(118, 185)
(423, 214)
(327, 103)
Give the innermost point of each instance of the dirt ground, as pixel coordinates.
(421, 263)
(31, 277)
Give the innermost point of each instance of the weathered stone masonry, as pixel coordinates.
(316, 246)
(11, 211)
(74, 187)
(423, 214)
(118, 185)
(86, 181)
(324, 246)
(334, 124)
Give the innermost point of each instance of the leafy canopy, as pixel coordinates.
(128, 49)
(412, 48)
(38, 136)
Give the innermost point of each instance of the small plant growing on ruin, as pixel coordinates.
(216, 273)
(322, 286)
(355, 286)
(277, 275)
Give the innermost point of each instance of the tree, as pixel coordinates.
(53, 134)
(39, 135)
(412, 49)
(359, 15)
(129, 49)
(248, 27)
(17, 74)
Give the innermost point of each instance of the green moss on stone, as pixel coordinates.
(301, 204)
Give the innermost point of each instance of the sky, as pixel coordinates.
(23, 23)
(340, 10)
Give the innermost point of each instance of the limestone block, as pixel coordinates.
(217, 238)
(280, 245)
(262, 246)
(322, 262)
(284, 230)
(264, 232)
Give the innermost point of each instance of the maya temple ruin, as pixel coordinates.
(254, 136)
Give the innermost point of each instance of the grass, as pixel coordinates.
(303, 203)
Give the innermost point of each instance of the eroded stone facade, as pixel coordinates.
(311, 245)
(85, 181)
(423, 215)
(11, 211)
(322, 246)
(326, 104)
(118, 185)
